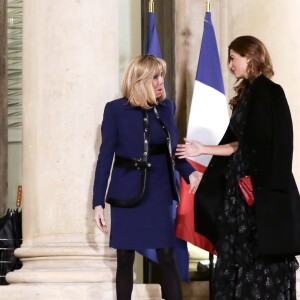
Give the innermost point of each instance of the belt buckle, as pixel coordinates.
(139, 163)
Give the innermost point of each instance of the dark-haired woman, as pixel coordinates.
(256, 243)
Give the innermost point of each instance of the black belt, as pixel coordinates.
(138, 163)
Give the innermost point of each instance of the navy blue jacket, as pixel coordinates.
(122, 135)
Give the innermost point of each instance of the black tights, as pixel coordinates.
(124, 277)
(171, 282)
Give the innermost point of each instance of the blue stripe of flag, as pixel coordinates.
(153, 46)
(209, 68)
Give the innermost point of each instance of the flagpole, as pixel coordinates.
(151, 6)
(208, 6)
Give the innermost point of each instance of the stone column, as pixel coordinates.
(70, 72)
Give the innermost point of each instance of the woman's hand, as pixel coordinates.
(189, 149)
(195, 148)
(100, 219)
(195, 179)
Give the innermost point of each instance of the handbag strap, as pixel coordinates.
(169, 145)
(146, 137)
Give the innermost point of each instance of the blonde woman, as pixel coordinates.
(139, 133)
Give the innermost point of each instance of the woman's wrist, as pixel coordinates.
(203, 149)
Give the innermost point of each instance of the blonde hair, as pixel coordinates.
(260, 62)
(137, 80)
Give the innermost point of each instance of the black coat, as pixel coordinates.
(269, 137)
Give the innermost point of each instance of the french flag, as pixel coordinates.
(181, 251)
(207, 123)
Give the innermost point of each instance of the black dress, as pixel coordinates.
(240, 273)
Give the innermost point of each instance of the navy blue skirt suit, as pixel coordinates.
(150, 224)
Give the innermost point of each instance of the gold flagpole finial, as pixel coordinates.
(151, 6)
(208, 6)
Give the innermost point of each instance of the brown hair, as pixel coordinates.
(259, 62)
(137, 81)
